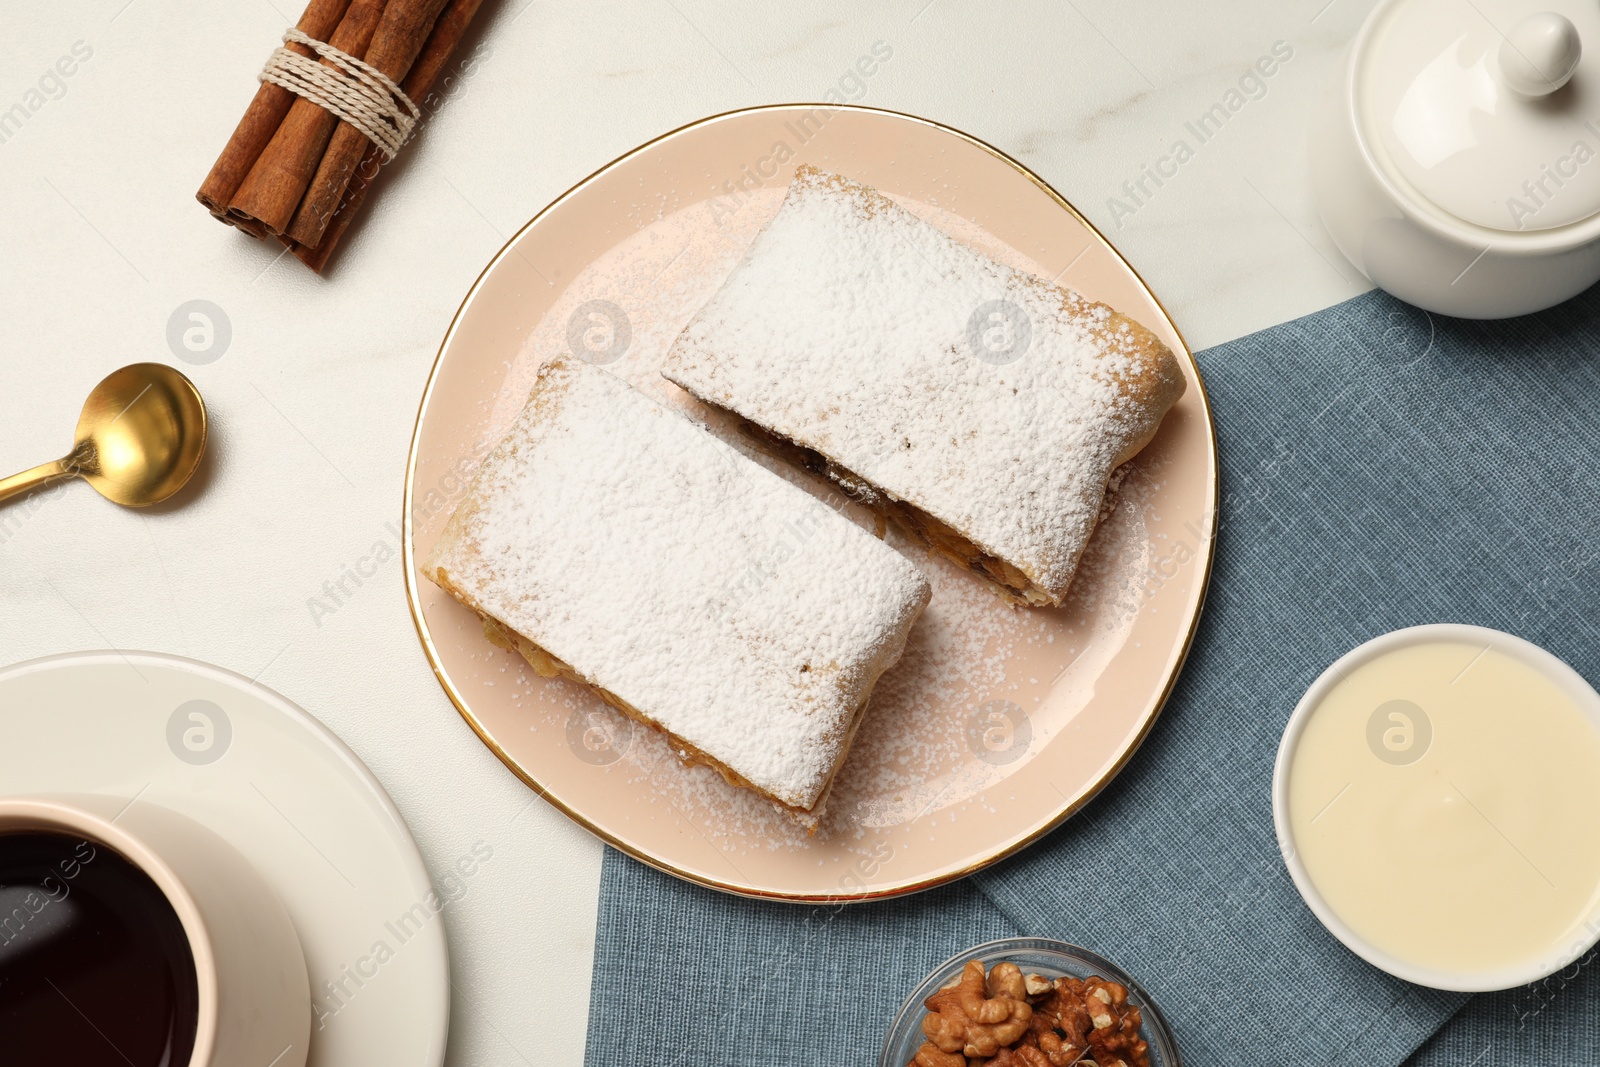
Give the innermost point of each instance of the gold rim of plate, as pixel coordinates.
(1068, 809)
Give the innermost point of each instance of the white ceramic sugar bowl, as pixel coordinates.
(1456, 156)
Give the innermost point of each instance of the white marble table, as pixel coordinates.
(315, 395)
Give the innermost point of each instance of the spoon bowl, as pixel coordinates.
(146, 425)
(140, 438)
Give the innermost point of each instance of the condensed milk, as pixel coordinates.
(1437, 799)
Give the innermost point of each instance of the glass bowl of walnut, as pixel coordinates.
(1029, 1002)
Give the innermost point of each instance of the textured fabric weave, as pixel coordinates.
(1380, 468)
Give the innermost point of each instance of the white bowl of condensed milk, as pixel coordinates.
(1437, 802)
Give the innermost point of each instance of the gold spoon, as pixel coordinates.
(140, 436)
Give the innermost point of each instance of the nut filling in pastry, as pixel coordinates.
(611, 541)
(979, 407)
(921, 527)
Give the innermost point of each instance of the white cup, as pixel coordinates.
(254, 997)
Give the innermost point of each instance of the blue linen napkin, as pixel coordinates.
(1380, 468)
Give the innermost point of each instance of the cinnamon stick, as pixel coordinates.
(400, 37)
(263, 117)
(448, 31)
(272, 190)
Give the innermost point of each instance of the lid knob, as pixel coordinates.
(1540, 54)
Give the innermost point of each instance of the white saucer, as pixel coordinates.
(283, 790)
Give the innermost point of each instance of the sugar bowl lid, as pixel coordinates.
(1486, 110)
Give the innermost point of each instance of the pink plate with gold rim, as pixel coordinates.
(998, 723)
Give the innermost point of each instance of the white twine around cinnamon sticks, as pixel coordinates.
(359, 94)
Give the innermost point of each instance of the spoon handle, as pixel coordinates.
(37, 476)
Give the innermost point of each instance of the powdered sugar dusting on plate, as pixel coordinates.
(915, 753)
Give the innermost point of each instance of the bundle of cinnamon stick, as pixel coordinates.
(297, 172)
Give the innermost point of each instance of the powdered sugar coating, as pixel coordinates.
(859, 331)
(738, 612)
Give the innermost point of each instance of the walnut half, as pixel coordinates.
(977, 1016)
(1115, 1038)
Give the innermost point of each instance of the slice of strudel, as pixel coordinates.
(610, 540)
(979, 407)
